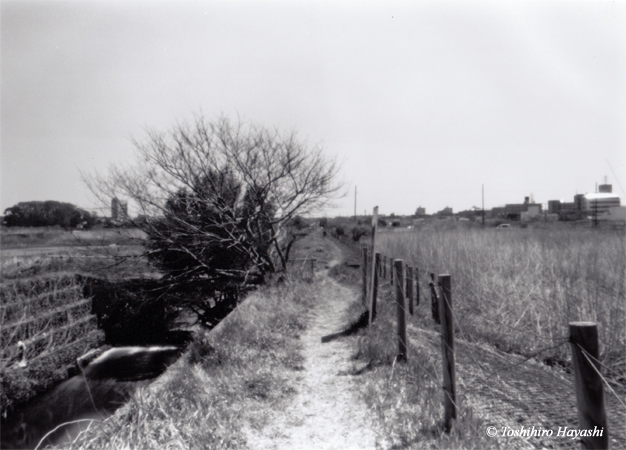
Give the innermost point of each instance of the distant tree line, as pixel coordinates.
(46, 214)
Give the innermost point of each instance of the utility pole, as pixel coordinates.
(483, 204)
(595, 209)
(355, 203)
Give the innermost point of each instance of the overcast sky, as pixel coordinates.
(423, 102)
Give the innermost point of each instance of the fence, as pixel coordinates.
(583, 338)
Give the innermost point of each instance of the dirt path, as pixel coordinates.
(327, 412)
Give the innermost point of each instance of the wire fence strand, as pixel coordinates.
(589, 359)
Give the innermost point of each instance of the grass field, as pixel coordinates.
(519, 288)
(22, 237)
(28, 252)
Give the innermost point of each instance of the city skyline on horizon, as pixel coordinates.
(104, 210)
(421, 103)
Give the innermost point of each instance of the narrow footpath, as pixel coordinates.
(504, 390)
(327, 412)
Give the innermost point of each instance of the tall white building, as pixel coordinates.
(599, 203)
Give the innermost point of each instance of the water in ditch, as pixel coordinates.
(103, 386)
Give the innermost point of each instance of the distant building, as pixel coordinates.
(119, 210)
(469, 214)
(420, 211)
(616, 213)
(513, 211)
(592, 204)
(531, 213)
(557, 206)
(578, 202)
(447, 211)
(518, 208)
(567, 208)
(554, 206)
(600, 203)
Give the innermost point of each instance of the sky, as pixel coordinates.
(422, 102)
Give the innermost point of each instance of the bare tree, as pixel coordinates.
(217, 198)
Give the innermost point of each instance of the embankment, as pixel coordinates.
(46, 324)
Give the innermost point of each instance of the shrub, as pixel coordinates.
(358, 232)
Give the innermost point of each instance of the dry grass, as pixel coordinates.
(113, 264)
(114, 253)
(407, 401)
(229, 377)
(17, 267)
(406, 398)
(21, 237)
(33, 236)
(516, 289)
(519, 288)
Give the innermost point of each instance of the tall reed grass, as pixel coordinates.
(519, 288)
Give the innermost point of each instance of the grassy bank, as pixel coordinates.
(229, 377)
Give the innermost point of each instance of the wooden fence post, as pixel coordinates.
(364, 251)
(391, 272)
(372, 265)
(384, 267)
(416, 273)
(376, 275)
(589, 388)
(409, 288)
(433, 298)
(401, 308)
(447, 347)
